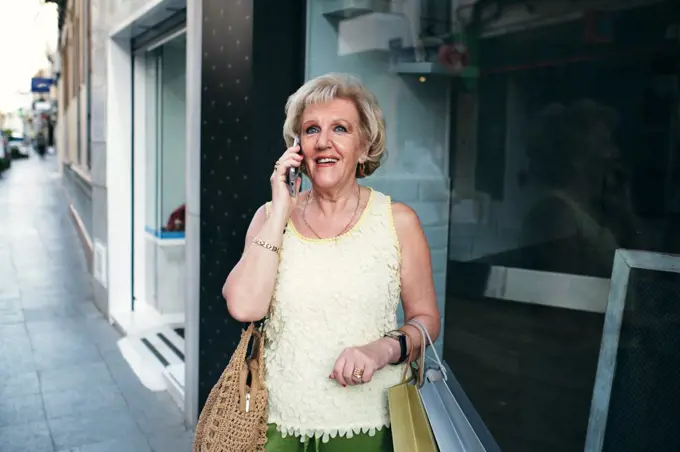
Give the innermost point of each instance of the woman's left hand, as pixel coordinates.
(368, 358)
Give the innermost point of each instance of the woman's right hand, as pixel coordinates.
(282, 202)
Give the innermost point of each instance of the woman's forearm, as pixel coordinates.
(250, 285)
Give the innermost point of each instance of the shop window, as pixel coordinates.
(417, 110)
(533, 141)
(576, 156)
(166, 139)
(160, 178)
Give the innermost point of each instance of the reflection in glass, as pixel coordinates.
(166, 138)
(533, 139)
(173, 136)
(576, 156)
(165, 182)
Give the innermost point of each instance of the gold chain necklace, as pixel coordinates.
(356, 209)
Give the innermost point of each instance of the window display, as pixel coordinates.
(163, 188)
(166, 139)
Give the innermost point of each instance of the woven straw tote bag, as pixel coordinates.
(234, 418)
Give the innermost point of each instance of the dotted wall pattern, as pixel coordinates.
(248, 71)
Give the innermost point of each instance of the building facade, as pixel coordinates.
(533, 141)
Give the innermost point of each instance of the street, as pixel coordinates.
(64, 385)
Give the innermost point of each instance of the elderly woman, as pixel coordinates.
(328, 268)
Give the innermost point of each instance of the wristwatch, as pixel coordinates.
(400, 337)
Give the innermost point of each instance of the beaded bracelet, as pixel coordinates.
(267, 245)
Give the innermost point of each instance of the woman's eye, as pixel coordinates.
(312, 129)
(340, 129)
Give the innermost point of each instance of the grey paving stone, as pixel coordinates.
(75, 377)
(10, 311)
(172, 440)
(19, 384)
(16, 357)
(9, 291)
(83, 401)
(114, 359)
(154, 411)
(13, 335)
(21, 410)
(58, 354)
(33, 297)
(53, 341)
(58, 326)
(100, 332)
(135, 444)
(129, 384)
(32, 437)
(56, 358)
(50, 312)
(79, 430)
(8, 318)
(11, 368)
(88, 310)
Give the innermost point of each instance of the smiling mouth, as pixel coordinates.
(326, 161)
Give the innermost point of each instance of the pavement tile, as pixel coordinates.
(56, 357)
(137, 443)
(154, 411)
(33, 437)
(78, 430)
(19, 384)
(21, 410)
(64, 385)
(82, 400)
(10, 311)
(77, 376)
(175, 439)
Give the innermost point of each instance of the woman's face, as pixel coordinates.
(331, 142)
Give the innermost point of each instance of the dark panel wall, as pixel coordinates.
(253, 58)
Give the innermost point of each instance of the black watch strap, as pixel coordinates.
(399, 336)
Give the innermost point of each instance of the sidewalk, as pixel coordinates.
(64, 386)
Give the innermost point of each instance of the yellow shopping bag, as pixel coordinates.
(411, 431)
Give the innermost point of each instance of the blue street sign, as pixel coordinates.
(41, 85)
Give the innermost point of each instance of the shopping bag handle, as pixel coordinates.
(423, 334)
(419, 372)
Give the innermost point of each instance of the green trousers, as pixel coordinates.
(380, 442)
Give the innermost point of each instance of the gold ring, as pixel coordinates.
(357, 374)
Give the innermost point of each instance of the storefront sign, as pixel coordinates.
(41, 85)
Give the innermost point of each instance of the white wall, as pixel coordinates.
(119, 175)
(140, 204)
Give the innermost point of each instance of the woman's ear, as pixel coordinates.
(363, 158)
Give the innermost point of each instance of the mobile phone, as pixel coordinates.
(293, 172)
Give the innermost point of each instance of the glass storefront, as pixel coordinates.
(533, 141)
(161, 189)
(166, 137)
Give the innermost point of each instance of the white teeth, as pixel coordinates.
(327, 160)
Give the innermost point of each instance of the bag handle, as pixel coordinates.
(420, 372)
(424, 333)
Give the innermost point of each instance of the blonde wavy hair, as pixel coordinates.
(328, 87)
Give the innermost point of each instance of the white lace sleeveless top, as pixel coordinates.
(331, 294)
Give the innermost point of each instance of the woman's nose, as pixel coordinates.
(322, 141)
